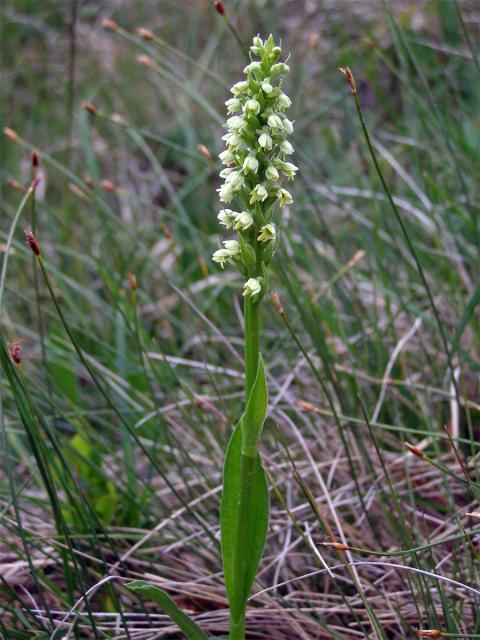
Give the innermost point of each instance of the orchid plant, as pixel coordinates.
(256, 168)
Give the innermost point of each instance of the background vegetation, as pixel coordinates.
(111, 462)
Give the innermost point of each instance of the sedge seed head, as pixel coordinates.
(89, 107)
(145, 34)
(110, 25)
(32, 242)
(15, 350)
(219, 7)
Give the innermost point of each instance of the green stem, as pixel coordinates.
(252, 343)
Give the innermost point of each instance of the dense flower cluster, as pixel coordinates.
(256, 164)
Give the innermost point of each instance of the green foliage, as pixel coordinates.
(191, 630)
(242, 522)
(92, 490)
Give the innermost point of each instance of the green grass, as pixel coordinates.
(114, 427)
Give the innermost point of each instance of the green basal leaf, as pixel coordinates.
(245, 501)
(190, 628)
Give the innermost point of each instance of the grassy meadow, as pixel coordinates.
(121, 350)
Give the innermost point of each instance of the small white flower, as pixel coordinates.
(284, 197)
(224, 173)
(233, 140)
(227, 217)
(243, 221)
(274, 121)
(236, 124)
(257, 41)
(233, 104)
(239, 87)
(265, 141)
(287, 125)
(258, 194)
(252, 287)
(251, 106)
(267, 87)
(267, 233)
(233, 247)
(284, 101)
(271, 173)
(289, 169)
(227, 156)
(226, 193)
(250, 163)
(235, 180)
(286, 147)
(221, 256)
(252, 67)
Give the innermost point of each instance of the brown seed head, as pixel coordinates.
(147, 61)
(314, 39)
(203, 150)
(132, 280)
(35, 159)
(307, 406)
(338, 546)
(15, 351)
(10, 133)
(350, 79)
(108, 186)
(220, 7)
(32, 242)
(166, 231)
(90, 107)
(277, 304)
(429, 633)
(109, 25)
(77, 191)
(416, 452)
(144, 33)
(15, 184)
